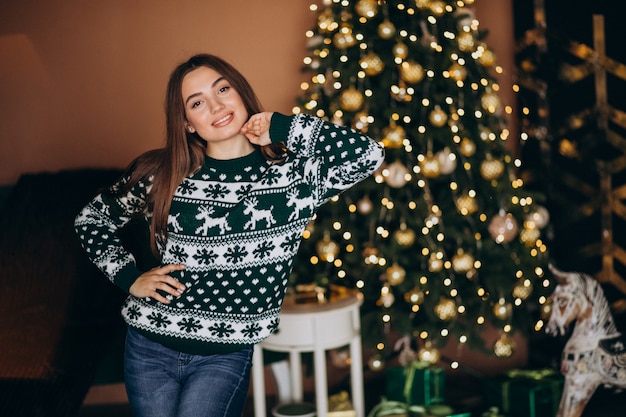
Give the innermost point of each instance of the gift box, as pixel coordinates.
(526, 393)
(387, 408)
(443, 410)
(400, 409)
(418, 383)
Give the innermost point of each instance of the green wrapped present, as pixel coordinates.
(387, 408)
(526, 393)
(416, 384)
(400, 409)
(442, 410)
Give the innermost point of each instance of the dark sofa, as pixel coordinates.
(59, 316)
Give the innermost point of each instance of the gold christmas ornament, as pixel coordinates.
(396, 175)
(462, 261)
(386, 29)
(386, 296)
(371, 255)
(490, 102)
(435, 263)
(372, 64)
(504, 346)
(503, 227)
(438, 7)
(437, 117)
(404, 236)
(467, 147)
(457, 72)
(327, 249)
(466, 204)
(344, 38)
(393, 136)
(447, 161)
(491, 168)
(529, 236)
(400, 93)
(411, 71)
(445, 309)
(351, 99)
(361, 121)
(400, 50)
(395, 274)
(429, 354)
(466, 41)
(326, 21)
(523, 289)
(366, 8)
(539, 217)
(487, 58)
(502, 310)
(365, 205)
(414, 297)
(429, 166)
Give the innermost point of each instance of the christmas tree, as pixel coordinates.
(443, 239)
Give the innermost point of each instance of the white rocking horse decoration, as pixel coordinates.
(595, 353)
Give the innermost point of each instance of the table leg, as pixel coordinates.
(258, 382)
(356, 377)
(321, 385)
(296, 375)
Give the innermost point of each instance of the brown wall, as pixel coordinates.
(82, 82)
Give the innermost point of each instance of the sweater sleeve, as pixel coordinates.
(97, 226)
(338, 156)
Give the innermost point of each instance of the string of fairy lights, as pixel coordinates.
(444, 236)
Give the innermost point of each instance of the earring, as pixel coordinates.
(189, 129)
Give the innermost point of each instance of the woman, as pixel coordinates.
(227, 200)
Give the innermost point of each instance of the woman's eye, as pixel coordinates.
(195, 104)
(223, 89)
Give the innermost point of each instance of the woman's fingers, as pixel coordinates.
(157, 279)
(257, 127)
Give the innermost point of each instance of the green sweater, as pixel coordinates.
(236, 225)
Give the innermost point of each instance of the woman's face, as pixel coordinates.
(213, 108)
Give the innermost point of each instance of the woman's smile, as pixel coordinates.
(223, 120)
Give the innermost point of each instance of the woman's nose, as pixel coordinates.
(216, 105)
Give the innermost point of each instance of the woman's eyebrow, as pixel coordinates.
(199, 93)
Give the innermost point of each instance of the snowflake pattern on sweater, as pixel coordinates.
(236, 225)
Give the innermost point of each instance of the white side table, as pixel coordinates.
(315, 328)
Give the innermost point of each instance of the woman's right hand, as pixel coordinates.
(257, 128)
(158, 279)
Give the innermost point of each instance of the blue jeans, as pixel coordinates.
(162, 382)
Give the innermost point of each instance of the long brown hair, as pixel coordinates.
(184, 152)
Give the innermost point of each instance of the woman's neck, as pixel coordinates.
(230, 149)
